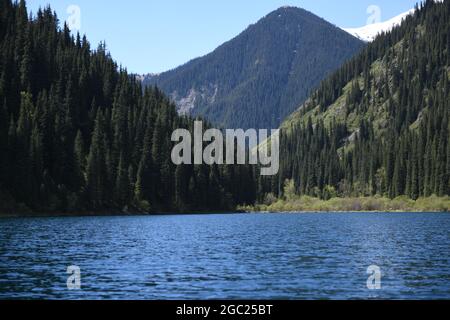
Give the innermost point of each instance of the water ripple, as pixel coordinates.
(270, 256)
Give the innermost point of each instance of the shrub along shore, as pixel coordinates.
(372, 204)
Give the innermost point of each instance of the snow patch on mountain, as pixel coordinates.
(369, 32)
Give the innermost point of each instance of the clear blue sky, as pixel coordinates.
(156, 35)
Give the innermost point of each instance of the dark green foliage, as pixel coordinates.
(398, 90)
(78, 134)
(261, 76)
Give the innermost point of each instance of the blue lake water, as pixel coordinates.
(241, 256)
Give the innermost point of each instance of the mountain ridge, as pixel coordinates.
(369, 32)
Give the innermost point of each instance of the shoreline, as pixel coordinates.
(112, 214)
(343, 211)
(300, 204)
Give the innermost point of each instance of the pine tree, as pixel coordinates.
(80, 160)
(96, 165)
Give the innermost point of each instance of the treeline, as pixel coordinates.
(380, 124)
(77, 133)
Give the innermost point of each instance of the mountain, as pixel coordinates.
(380, 124)
(78, 134)
(369, 32)
(261, 76)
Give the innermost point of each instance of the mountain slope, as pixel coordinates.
(258, 78)
(380, 124)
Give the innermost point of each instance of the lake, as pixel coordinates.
(236, 256)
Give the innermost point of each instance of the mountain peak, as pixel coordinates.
(290, 10)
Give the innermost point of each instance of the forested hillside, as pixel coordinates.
(260, 77)
(380, 124)
(79, 134)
